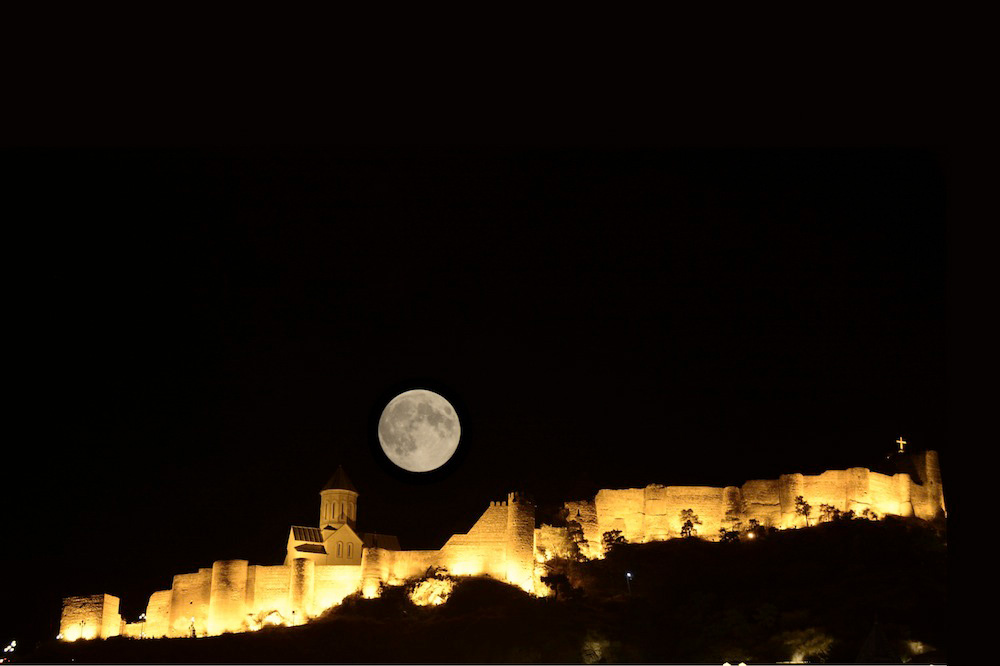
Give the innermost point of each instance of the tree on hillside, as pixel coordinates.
(727, 536)
(868, 514)
(612, 539)
(559, 584)
(847, 515)
(688, 522)
(828, 513)
(802, 508)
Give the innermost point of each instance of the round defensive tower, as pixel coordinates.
(520, 541)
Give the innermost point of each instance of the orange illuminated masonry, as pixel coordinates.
(326, 563)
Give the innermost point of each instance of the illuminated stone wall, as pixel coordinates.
(520, 551)
(584, 513)
(483, 549)
(654, 513)
(89, 617)
(333, 583)
(233, 596)
(158, 614)
(227, 597)
(189, 599)
(501, 544)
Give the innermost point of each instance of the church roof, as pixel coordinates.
(311, 548)
(312, 534)
(339, 481)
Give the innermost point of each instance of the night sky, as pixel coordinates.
(203, 336)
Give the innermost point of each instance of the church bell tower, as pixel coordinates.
(338, 502)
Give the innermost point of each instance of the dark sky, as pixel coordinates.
(203, 336)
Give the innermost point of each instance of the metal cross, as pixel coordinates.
(902, 443)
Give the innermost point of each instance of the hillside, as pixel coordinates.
(816, 591)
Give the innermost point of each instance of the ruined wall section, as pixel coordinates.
(90, 617)
(584, 513)
(928, 497)
(158, 614)
(653, 513)
(622, 510)
(761, 500)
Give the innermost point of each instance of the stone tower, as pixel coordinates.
(520, 536)
(338, 502)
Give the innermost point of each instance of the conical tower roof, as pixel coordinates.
(339, 481)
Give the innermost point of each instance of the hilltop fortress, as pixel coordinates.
(326, 563)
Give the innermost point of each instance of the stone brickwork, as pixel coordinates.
(89, 617)
(233, 595)
(653, 513)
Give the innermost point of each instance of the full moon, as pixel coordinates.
(419, 430)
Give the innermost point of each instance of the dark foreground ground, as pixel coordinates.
(829, 593)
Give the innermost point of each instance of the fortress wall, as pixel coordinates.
(333, 582)
(620, 509)
(189, 598)
(706, 502)
(903, 484)
(410, 563)
(883, 493)
(463, 556)
(858, 490)
(267, 590)
(375, 564)
(790, 486)
(301, 589)
(761, 500)
(830, 487)
(483, 550)
(89, 617)
(656, 510)
(732, 505)
(133, 629)
(932, 499)
(584, 512)
(158, 614)
(924, 505)
(227, 598)
(520, 549)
